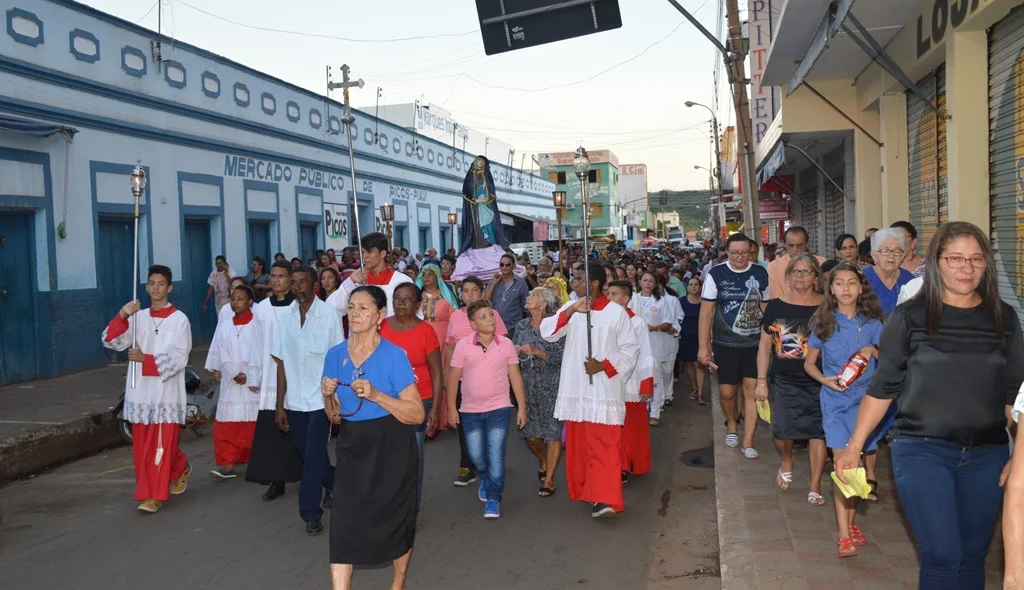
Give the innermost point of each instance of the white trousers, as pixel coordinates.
(662, 387)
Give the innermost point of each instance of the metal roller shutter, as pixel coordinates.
(834, 164)
(926, 148)
(1006, 154)
(809, 205)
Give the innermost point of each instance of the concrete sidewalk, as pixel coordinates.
(775, 539)
(49, 421)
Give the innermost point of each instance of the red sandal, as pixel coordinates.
(846, 548)
(856, 536)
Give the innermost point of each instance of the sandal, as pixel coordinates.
(846, 548)
(653, 422)
(541, 475)
(701, 400)
(856, 536)
(873, 494)
(693, 395)
(784, 479)
(732, 440)
(815, 499)
(546, 492)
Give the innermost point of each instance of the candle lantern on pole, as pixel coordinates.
(559, 199)
(581, 164)
(387, 215)
(453, 219)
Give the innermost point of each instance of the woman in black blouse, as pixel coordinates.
(953, 358)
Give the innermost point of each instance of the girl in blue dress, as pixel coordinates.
(848, 320)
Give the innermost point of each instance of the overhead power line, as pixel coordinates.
(320, 36)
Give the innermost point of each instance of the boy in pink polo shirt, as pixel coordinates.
(486, 363)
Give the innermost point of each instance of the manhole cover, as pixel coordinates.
(699, 457)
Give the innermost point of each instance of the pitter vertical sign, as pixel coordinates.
(762, 107)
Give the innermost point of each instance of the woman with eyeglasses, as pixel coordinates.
(952, 358)
(370, 390)
(796, 408)
(887, 277)
(540, 362)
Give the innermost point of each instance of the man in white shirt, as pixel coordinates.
(375, 248)
(307, 331)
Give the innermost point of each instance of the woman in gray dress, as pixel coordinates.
(540, 363)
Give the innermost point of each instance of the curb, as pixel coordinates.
(735, 556)
(45, 447)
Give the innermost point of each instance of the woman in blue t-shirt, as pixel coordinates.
(848, 320)
(370, 390)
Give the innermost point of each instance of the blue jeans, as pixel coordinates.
(952, 498)
(421, 440)
(486, 434)
(309, 433)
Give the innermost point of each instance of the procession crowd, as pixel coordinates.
(580, 350)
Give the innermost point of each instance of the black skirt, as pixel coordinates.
(273, 458)
(373, 520)
(796, 411)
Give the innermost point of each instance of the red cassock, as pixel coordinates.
(593, 463)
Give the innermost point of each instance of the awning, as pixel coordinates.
(776, 158)
(36, 128)
(827, 29)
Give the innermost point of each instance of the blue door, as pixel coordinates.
(307, 241)
(259, 242)
(198, 265)
(18, 361)
(446, 240)
(115, 256)
(424, 239)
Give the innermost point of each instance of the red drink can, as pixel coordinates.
(853, 369)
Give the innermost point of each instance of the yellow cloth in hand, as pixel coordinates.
(764, 411)
(858, 485)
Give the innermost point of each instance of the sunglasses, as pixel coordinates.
(504, 264)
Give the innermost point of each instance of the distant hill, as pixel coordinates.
(692, 206)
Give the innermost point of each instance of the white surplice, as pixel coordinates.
(237, 349)
(268, 317)
(158, 399)
(614, 343)
(387, 281)
(644, 368)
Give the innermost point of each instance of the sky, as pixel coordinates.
(549, 98)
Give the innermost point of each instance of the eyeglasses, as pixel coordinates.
(740, 254)
(955, 262)
(504, 264)
(801, 272)
(892, 252)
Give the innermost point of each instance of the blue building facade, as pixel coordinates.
(239, 163)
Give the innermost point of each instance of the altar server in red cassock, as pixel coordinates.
(235, 357)
(156, 405)
(377, 273)
(636, 433)
(594, 413)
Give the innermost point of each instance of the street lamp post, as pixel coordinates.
(559, 198)
(581, 164)
(711, 184)
(387, 215)
(453, 219)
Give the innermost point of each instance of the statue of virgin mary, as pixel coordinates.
(482, 238)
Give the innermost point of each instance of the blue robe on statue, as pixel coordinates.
(481, 221)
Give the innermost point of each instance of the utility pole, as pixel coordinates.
(737, 76)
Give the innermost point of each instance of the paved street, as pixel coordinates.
(78, 525)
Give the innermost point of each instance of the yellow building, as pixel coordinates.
(925, 99)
